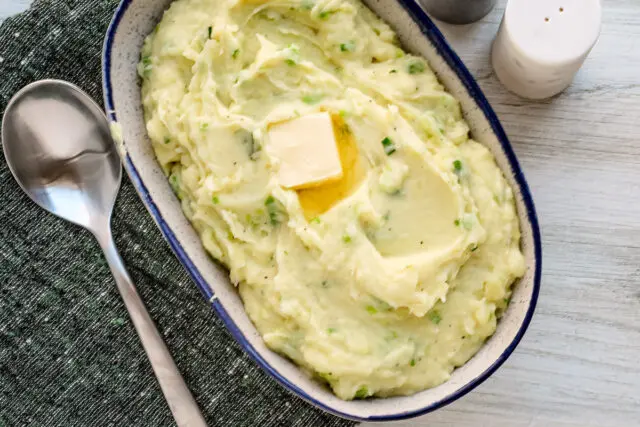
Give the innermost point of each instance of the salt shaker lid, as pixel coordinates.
(553, 31)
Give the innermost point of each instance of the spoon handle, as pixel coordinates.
(183, 407)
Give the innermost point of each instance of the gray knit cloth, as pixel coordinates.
(69, 355)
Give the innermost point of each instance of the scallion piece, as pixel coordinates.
(389, 146)
(415, 67)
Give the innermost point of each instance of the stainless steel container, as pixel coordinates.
(458, 11)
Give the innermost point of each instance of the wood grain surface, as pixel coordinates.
(579, 363)
(11, 7)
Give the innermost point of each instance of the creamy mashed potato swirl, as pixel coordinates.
(380, 283)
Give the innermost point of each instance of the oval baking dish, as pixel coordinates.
(133, 20)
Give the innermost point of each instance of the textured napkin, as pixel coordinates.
(69, 355)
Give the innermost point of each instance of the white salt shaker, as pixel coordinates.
(541, 44)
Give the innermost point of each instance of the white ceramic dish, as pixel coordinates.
(134, 19)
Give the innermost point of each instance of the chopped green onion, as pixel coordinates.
(416, 67)
(393, 71)
(315, 220)
(457, 166)
(371, 309)
(456, 222)
(349, 46)
(147, 66)
(413, 362)
(312, 99)
(331, 330)
(326, 14)
(274, 210)
(388, 145)
(290, 62)
(174, 181)
(235, 53)
(362, 393)
(346, 238)
(167, 140)
(215, 200)
(209, 30)
(435, 317)
(204, 126)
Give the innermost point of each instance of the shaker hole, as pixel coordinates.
(561, 9)
(546, 19)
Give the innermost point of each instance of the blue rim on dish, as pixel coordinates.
(428, 29)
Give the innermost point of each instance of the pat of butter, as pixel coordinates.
(307, 150)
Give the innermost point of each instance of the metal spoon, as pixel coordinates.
(57, 144)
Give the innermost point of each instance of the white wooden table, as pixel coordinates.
(10, 7)
(579, 363)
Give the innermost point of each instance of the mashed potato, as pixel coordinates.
(380, 283)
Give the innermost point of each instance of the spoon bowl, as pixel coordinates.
(65, 160)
